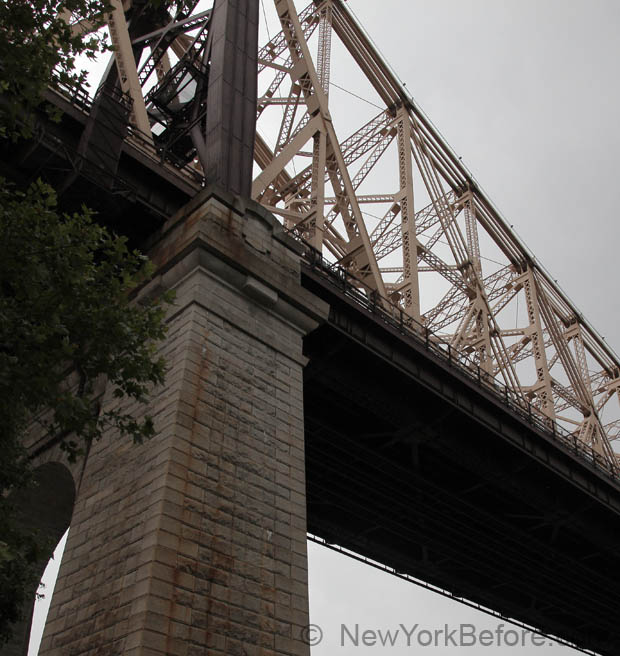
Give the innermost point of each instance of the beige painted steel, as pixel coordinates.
(458, 212)
(127, 71)
(507, 319)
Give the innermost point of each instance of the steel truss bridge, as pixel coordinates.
(441, 439)
(387, 201)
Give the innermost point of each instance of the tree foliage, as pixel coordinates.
(65, 309)
(67, 321)
(35, 39)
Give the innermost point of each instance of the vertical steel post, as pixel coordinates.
(232, 92)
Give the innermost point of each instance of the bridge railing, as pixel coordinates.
(381, 309)
(393, 316)
(80, 99)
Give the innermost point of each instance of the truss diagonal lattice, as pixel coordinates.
(381, 195)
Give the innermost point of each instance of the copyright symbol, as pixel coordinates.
(311, 634)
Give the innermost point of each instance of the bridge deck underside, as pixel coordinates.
(88, 165)
(397, 473)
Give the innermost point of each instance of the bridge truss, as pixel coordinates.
(381, 196)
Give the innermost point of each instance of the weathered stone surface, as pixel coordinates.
(195, 541)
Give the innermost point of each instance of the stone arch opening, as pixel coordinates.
(45, 506)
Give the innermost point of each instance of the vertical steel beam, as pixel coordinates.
(317, 197)
(325, 47)
(232, 92)
(411, 289)
(535, 330)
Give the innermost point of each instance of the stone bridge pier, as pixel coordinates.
(194, 542)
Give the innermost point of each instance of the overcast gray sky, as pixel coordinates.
(527, 92)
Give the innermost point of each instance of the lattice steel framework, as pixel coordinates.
(431, 245)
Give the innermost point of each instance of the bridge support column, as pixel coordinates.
(195, 542)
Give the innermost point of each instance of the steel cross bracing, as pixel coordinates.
(388, 201)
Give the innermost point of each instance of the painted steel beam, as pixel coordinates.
(231, 97)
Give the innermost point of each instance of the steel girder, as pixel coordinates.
(390, 202)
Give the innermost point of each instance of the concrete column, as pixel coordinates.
(195, 542)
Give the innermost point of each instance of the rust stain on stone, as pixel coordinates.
(202, 373)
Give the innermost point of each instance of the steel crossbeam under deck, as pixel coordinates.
(411, 464)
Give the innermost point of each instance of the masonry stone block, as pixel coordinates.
(195, 542)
